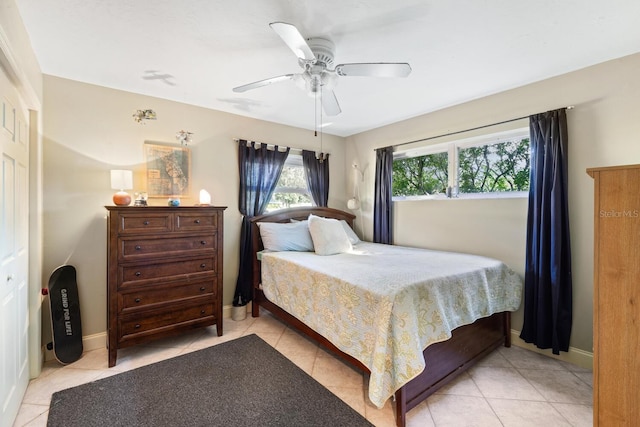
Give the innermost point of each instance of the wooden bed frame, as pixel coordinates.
(444, 361)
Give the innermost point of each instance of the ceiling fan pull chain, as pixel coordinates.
(321, 149)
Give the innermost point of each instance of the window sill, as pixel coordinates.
(469, 196)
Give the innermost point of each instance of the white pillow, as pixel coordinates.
(353, 237)
(328, 235)
(278, 236)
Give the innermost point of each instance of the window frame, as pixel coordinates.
(452, 148)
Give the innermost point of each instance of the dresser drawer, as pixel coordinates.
(142, 273)
(152, 222)
(196, 221)
(139, 324)
(141, 247)
(148, 298)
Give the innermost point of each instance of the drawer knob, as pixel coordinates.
(138, 274)
(138, 247)
(137, 326)
(202, 312)
(197, 221)
(146, 222)
(203, 242)
(202, 288)
(137, 299)
(203, 265)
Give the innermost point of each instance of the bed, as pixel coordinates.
(413, 319)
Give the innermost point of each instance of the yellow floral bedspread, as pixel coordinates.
(384, 304)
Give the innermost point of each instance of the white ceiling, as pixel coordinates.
(196, 51)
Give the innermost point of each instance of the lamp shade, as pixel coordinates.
(121, 179)
(205, 197)
(353, 204)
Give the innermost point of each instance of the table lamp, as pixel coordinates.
(121, 180)
(205, 198)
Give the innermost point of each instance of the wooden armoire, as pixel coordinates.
(616, 296)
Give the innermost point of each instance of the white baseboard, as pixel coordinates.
(99, 340)
(89, 342)
(578, 357)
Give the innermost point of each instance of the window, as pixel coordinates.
(480, 166)
(291, 190)
(421, 175)
(497, 167)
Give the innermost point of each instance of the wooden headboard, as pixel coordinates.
(286, 215)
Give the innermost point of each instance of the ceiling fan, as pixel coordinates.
(315, 57)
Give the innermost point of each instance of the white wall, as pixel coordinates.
(89, 130)
(604, 130)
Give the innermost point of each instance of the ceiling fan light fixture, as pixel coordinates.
(313, 86)
(313, 83)
(329, 80)
(300, 81)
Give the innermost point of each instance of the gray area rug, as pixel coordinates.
(244, 382)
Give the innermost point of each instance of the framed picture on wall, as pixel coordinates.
(168, 170)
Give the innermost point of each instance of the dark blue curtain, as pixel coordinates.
(317, 172)
(548, 283)
(260, 169)
(382, 208)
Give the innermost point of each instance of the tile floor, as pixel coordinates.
(510, 387)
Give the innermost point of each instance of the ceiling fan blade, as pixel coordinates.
(379, 69)
(292, 37)
(264, 82)
(330, 103)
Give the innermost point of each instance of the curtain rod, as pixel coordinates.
(570, 107)
(291, 149)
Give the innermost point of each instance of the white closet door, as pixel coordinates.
(14, 250)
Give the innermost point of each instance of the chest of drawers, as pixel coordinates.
(164, 272)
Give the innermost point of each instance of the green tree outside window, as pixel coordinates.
(494, 168)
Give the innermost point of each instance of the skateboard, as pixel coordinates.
(64, 304)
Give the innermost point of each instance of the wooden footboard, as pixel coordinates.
(448, 359)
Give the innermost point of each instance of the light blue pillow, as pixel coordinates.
(292, 236)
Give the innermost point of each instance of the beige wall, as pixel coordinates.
(89, 130)
(604, 130)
